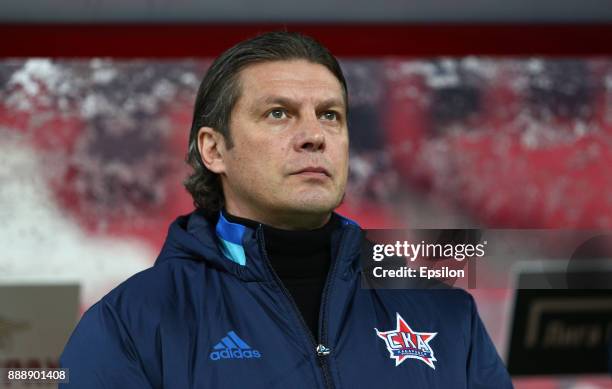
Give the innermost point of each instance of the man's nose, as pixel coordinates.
(311, 135)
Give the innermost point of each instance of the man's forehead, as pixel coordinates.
(292, 81)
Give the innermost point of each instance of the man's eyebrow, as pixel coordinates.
(287, 101)
(280, 100)
(332, 102)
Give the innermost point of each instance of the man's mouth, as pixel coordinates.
(313, 171)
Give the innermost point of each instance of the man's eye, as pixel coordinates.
(330, 115)
(277, 114)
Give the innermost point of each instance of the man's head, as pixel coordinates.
(269, 139)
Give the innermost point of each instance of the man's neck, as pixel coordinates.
(289, 222)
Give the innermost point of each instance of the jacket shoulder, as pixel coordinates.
(155, 291)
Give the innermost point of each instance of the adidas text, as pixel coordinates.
(232, 346)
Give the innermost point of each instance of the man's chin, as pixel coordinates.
(314, 210)
(316, 203)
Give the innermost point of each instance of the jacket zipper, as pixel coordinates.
(321, 350)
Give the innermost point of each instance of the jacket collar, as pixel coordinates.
(240, 250)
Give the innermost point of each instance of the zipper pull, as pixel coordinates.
(323, 351)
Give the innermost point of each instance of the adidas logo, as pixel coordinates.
(232, 347)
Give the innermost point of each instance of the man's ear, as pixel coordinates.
(212, 149)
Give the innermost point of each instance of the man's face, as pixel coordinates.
(289, 162)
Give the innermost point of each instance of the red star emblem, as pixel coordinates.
(404, 343)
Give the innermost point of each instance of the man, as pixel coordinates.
(260, 286)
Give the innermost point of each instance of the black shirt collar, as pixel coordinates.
(296, 253)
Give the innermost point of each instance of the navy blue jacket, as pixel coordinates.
(211, 313)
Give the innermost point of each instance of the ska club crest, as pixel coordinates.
(404, 343)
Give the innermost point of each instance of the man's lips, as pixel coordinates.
(313, 170)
